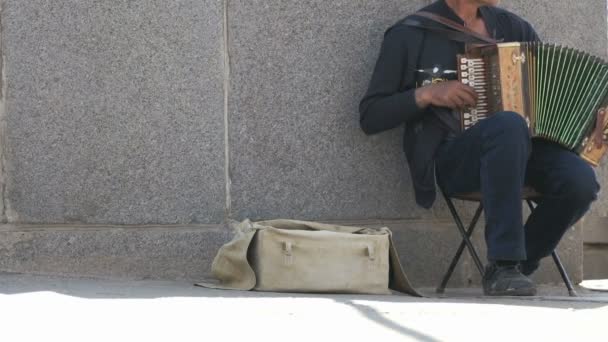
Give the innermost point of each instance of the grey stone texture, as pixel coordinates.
(153, 252)
(596, 230)
(114, 111)
(596, 262)
(595, 247)
(426, 250)
(579, 24)
(298, 70)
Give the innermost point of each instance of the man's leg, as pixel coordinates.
(568, 185)
(491, 157)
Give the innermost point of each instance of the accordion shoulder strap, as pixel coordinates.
(455, 32)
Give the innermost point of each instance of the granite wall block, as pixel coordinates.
(298, 71)
(153, 252)
(114, 111)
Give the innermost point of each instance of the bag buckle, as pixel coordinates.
(287, 248)
(371, 253)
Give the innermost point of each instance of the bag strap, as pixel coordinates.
(454, 30)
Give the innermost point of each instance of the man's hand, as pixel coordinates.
(450, 94)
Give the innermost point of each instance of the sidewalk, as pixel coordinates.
(39, 308)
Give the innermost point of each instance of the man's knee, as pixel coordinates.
(507, 129)
(511, 121)
(511, 124)
(581, 186)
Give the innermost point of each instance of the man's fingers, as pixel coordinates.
(450, 103)
(454, 94)
(468, 99)
(459, 101)
(469, 90)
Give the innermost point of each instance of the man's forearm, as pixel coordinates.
(381, 113)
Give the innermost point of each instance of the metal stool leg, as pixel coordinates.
(559, 265)
(465, 238)
(448, 275)
(562, 272)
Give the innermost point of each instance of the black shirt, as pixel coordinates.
(411, 57)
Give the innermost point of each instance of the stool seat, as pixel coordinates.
(528, 193)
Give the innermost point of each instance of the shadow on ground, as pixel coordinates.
(555, 297)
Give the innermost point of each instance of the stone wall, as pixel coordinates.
(184, 113)
(114, 111)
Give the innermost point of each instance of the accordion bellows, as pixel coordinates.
(561, 92)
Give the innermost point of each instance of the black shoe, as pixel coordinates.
(528, 267)
(506, 281)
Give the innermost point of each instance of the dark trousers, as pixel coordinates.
(497, 158)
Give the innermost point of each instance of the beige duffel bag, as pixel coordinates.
(300, 256)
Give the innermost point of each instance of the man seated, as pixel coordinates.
(414, 83)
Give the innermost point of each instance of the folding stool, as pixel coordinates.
(529, 194)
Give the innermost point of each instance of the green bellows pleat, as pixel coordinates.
(567, 87)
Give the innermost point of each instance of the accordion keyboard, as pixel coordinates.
(472, 72)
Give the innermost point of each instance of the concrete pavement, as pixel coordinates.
(41, 308)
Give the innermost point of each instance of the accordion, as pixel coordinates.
(561, 92)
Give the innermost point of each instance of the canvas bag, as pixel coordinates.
(301, 256)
